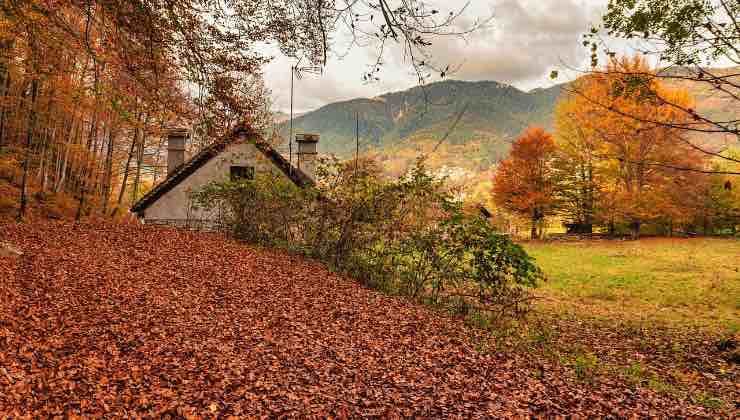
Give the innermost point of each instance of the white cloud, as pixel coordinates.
(524, 42)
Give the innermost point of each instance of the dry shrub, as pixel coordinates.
(405, 235)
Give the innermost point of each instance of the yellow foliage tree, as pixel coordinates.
(618, 143)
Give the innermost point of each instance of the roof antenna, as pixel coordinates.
(290, 137)
(357, 139)
(297, 72)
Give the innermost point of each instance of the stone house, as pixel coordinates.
(240, 154)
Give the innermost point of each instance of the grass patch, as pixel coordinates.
(708, 401)
(638, 374)
(686, 281)
(585, 366)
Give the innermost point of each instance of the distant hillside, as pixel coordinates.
(495, 111)
(398, 127)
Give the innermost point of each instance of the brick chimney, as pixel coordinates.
(175, 148)
(307, 153)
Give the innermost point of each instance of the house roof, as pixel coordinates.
(297, 176)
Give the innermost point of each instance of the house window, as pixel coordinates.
(238, 173)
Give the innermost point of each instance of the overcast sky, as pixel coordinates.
(521, 45)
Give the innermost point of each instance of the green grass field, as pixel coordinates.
(676, 281)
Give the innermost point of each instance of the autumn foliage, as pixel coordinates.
(620, 160)
(126, 321)
(524, 182)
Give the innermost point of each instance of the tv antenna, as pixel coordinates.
(297, 71)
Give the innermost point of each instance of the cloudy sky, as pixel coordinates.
(521, 45)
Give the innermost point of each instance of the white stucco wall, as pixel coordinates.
(175, 204)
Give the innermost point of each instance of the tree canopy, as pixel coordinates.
(685, 37)
(88, 87)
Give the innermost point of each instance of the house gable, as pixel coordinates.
(169, 202)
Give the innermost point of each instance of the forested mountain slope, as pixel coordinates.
(493, 111)
(409, 123)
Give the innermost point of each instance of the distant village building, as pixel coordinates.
(239, 155)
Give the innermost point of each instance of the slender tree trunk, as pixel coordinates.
(137, 177)
(635, 229)
(85, 172)
(45, 175)
(86, 169)
(108, 176)
(125, 172)
(44, 144)
(139, 160)
(6, 88)
(99, 167)
(6, 47)
(63, 167)
(80, 205)
(27, 160)
(42, 157)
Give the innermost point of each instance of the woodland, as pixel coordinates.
(629, 168)
(368, 294)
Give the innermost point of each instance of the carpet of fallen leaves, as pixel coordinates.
(138, 321)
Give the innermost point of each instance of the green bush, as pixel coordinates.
(407, 235)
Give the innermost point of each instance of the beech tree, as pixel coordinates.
(578, 169)
(687, 38)
(524, 182)
(645, 170)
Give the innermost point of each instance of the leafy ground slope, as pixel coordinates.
(134, 321)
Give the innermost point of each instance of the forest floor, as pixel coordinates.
(127, 320)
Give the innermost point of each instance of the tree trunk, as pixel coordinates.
(108, 176)
(80, 205)
(62, 177)
(635, 229)
(99, 167)
(5, 48)
(6, 88)
(139, 160)
(125, 172)
(27, 160)
(86, 171)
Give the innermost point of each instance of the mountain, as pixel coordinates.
(399, 127)
(494, 111)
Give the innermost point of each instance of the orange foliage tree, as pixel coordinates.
(648, 169)
(524, 183)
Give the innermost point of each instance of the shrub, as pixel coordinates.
(585, 366)
(406, 235)
(263, 211)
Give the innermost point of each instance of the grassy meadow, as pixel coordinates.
(675, 281)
